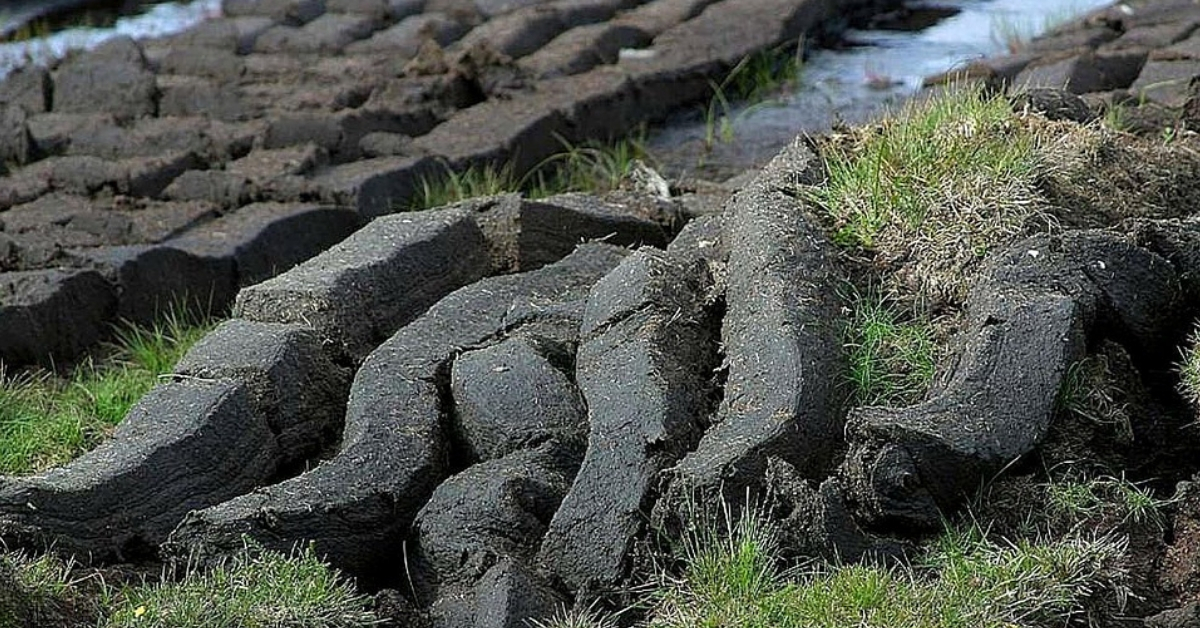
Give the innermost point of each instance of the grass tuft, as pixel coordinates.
(452, 186)
(1022, 582)
(728, 567)
(964, 580)
(1189, 369)
(934, 188)
(253, 589)
(757, 79)
(1116, 118)
(45, 591)
(586, 618)
(892, 353)
(586, 167)
(764, 74)
(47, 420)
(1092, 391)
(1104, 497)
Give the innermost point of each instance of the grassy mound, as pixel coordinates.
(928, 192)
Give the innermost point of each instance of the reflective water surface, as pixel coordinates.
(856, 83)
(158, 20)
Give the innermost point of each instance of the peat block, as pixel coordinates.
(49, 315)
(552, 227)
(29, 87)
(509, 595)
(1085, 73)
(16, 144)
(185, 445)
(526, 234)
(644, 366)
(404, 39)
(289, 12)
(1031, 314)
(375, 187)
(494, 510)
(818, 523)
(113, 78)
(152, 279)
(363, 289)
(265, 239)
(509, 396)
(781, 398)
(1166, 81)
(293, 383)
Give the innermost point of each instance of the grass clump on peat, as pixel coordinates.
(452, 186)
(45, 591)
(253, 589)
(1071, 561)
(920, 199)
(586, 167)
(1189, 369)
(892, 352)
(1104, 496)
(931, 190)
(963, 579)
(47, 419)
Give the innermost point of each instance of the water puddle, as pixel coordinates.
(881, 69)
(157, 21)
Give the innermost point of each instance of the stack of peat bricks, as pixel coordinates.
(141, 174)
(489, 406)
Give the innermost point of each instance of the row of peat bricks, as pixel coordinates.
(142, 174)
(498, 446)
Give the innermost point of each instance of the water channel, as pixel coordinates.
(876, 70)
(148, 20)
